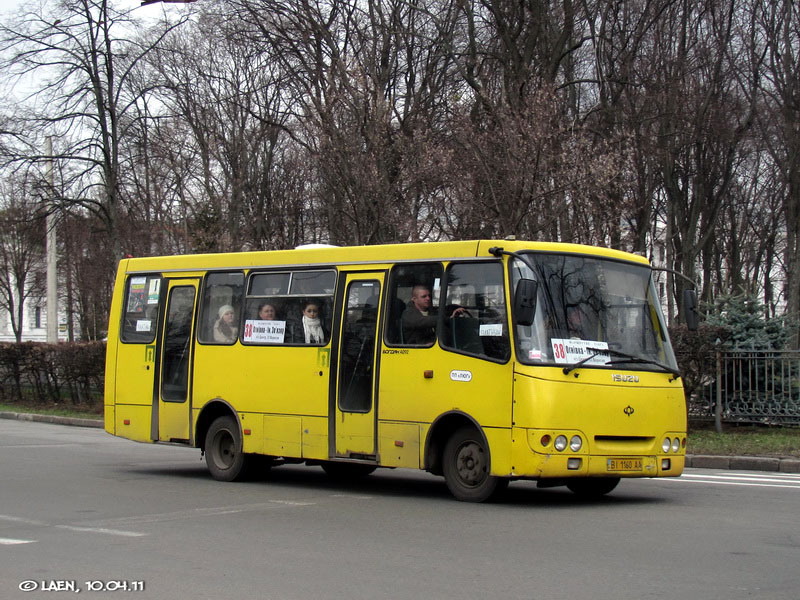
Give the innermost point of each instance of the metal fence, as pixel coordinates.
(750, 387)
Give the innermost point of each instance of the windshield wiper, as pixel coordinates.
(626, 358)
(646, 361)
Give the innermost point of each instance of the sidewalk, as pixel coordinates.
(697, 461)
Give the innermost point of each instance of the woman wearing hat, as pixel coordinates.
(225, 330)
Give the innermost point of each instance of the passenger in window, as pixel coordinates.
(313, 333)
(419, 318)
(266, 311)
(225, 329)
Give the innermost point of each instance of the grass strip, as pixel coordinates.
(746, 441)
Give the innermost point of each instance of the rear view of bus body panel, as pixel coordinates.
(130, 372)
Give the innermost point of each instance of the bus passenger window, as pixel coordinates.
(269, 284)
(475, 320)
(221, 308)
(313, 282)
(413, 305)
(140, 313)
(289, 307)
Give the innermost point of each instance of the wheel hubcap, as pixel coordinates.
(226, 450)
(471, 464)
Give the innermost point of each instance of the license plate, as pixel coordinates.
(624, 464)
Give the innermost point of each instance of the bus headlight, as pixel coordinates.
(561, 443)
(666, 445)
(676, 445)
(575, 443)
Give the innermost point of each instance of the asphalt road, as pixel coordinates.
(82, 510)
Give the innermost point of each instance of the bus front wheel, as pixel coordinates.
(466, 467)
(590, 487)
(224, 456)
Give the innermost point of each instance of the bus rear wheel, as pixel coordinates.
(593, 487)
(224, 456)
(466, 468)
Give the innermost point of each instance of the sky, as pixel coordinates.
(14, 91)
(10, 7)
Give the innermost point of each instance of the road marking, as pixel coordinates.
(203, 512)
(789, 476)
(11, 542)
(22, 520)
(36, 523)
(722, 480)
(97, 527)
(742, 477)
(352, 496)
(101, 530)
(66, 445)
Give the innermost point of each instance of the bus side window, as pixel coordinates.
(221, 291)
(140, 311)
(285, 296)
(481, 327)
(406, 322)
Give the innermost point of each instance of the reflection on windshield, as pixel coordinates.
(588, 304)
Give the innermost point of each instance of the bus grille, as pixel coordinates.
(613, 444)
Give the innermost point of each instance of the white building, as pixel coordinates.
(34, 323)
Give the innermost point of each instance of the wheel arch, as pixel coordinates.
(213, 409)
(440, 431)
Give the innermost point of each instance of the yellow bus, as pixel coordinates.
(482, 361)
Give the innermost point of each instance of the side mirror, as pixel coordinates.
(525, 301)
(690, 309)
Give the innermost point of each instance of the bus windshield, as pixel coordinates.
(594, 312)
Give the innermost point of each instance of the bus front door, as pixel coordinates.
(174, 408)
(354, 412)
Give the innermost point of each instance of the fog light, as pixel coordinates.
(545, 441)
(676, 445)
(573, 464)
(666, 445)
(683, 443)
(575, 443)
(560, 443)
(666, 464)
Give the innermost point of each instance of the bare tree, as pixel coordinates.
(778, 25)
(367, 83)
(81, 52)
(702, 121)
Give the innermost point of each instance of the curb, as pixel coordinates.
(73, 421)
(744, 463)
(697, 461)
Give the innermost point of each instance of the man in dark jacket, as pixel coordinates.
(419, 318)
